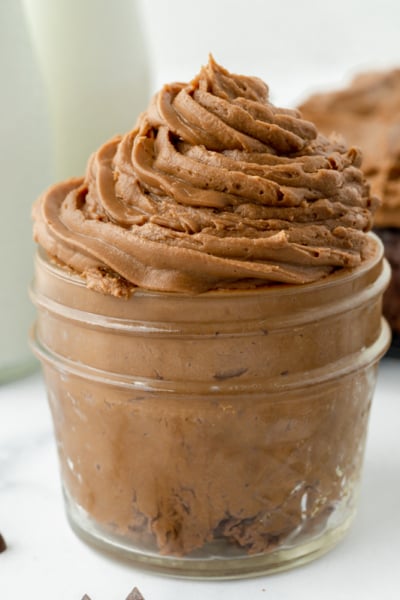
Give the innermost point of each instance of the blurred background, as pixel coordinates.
(75, 72)
(295, 46)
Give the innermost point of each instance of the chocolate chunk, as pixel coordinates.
(135, 595)
(3, 545)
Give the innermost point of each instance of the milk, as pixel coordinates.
(25, 170)
(73, 73)
(94, 62)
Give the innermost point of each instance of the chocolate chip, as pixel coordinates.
(3, 545)
(135, 595)
(86, 597)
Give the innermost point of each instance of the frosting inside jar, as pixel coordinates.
(214, 188)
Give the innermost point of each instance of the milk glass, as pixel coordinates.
(25, 169)
(94, 62)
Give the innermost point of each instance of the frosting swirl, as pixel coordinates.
(214, 188)
(367, 114)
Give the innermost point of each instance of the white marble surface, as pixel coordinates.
(45, 561)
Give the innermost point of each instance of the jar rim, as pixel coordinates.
(153, 313)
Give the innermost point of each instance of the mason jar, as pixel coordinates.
(216, 435)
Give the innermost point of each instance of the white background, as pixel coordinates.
(295, 46)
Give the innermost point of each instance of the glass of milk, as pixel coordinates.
(94, 62)
(77, 74)
(25, 170)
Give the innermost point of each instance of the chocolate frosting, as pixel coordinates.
(214, 188)
(367, 113)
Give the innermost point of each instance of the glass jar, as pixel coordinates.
(217, 435)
